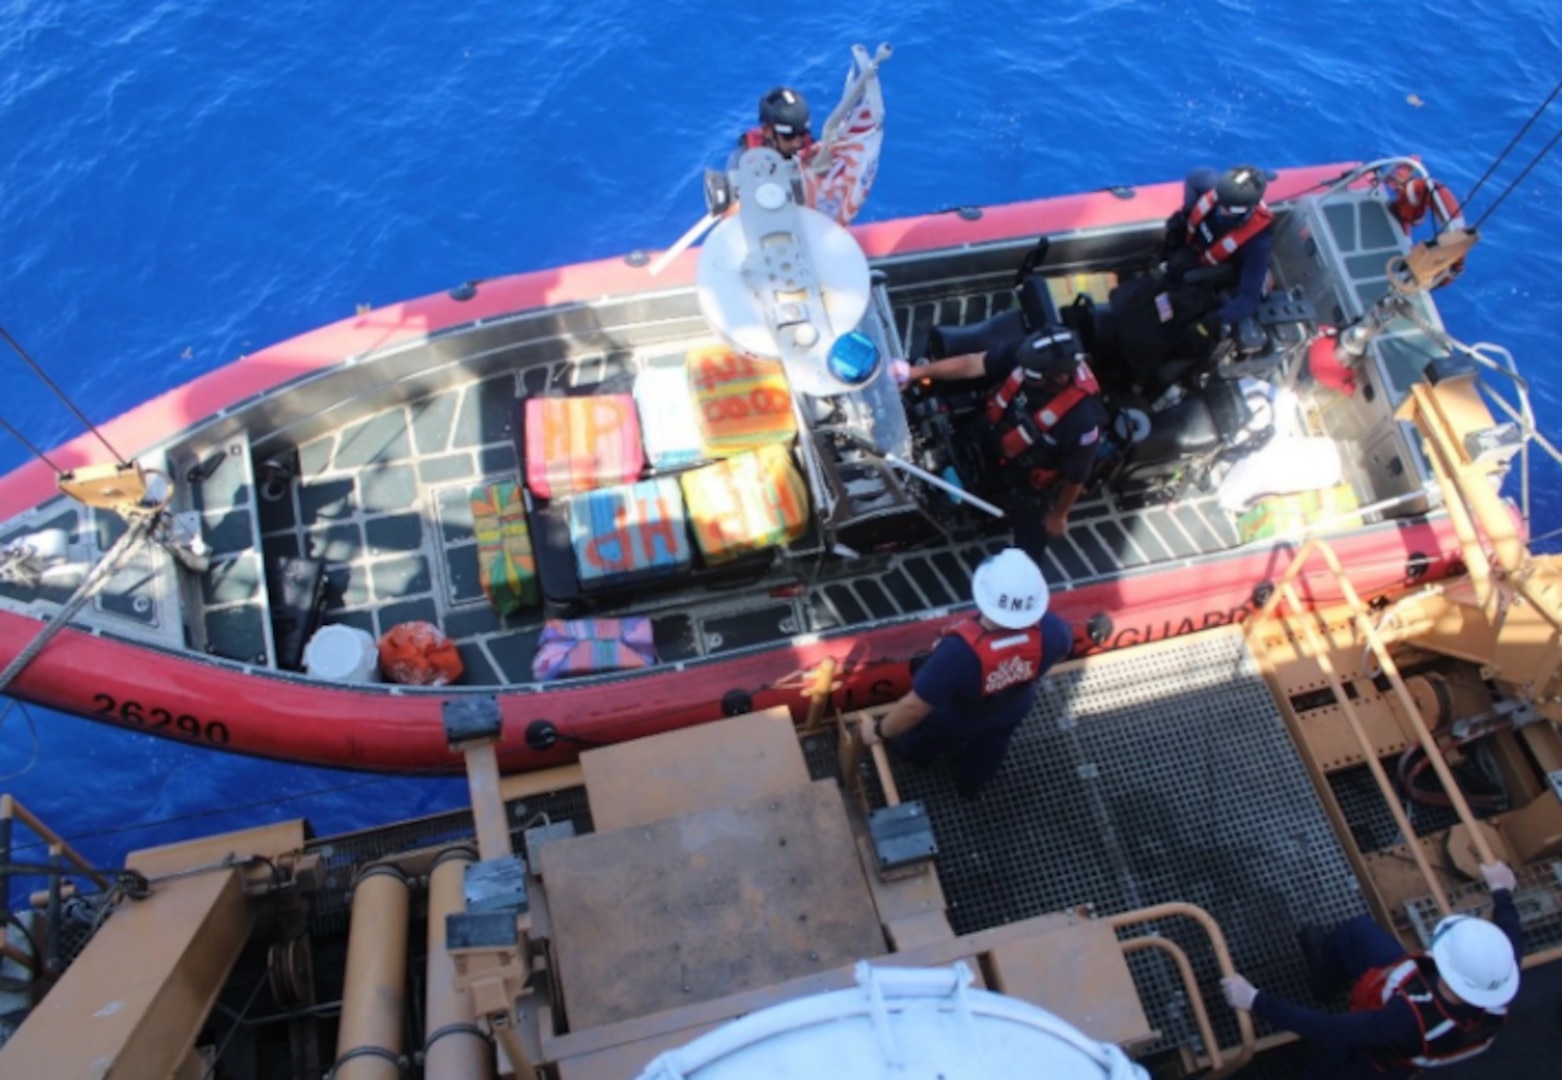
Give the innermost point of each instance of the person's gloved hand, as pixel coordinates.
(900, 371)
(1239, 992)
(1499, 875)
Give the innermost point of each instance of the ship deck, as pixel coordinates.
(1152, 775)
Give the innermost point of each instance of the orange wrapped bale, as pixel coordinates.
(741, 403)
(419, 654)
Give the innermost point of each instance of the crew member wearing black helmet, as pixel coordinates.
(1042, 423)
(783, 126)
(1223, 223)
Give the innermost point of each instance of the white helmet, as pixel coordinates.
(1008, 589)
(1476, 960)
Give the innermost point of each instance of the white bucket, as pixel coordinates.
(897, 1024)
(342, 654)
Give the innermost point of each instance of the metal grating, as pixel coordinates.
(1371, 823)
(1144, 778)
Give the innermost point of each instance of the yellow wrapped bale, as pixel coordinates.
(745, 504)
(1291, 515)
(741, 403)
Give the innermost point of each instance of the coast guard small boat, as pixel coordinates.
(621, 501)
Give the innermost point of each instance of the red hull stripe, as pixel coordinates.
(222, 705)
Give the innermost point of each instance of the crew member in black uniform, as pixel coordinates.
(1408, 1012)
(1042, 424)
(783, 127)
(1223, 222)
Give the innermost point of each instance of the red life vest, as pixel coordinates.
(1414, 196)
(1009, 657)
(1444, 1040)
(1216, 250)
(754, 138)
(1018, 433)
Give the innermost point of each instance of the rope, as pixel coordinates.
(232, 1031)
(32, 728)
(64, 398)
(1536, 160)
(99, 577)
(19, 437)
(1509, 149)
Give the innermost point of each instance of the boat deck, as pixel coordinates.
(384, 503)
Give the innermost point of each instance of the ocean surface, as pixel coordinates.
(182, 183)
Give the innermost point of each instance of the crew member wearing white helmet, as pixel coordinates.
(970, 695)
(1408, 1012)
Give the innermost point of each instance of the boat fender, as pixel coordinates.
(736, 702)
(1098, 628)
(541, 735)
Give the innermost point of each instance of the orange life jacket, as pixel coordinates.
(1444, 1040)
(1215, 250)
(1021, 434)
(1009, 658)
(754, 138)
(1414, 196)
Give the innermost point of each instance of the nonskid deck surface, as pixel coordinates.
(1144, 777)
(384, 503)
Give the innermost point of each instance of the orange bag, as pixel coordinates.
(419, 654)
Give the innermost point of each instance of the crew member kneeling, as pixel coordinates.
(1408, 1012)
(970, 695)
(1042, 424)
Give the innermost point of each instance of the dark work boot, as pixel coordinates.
(1325, 975)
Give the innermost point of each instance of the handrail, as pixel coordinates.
(1390, 670)
(11, 809)
(1221, 1064)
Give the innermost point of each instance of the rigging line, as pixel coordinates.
(64, 398)
(19, 437)
(1536, 160)
(1522, 132)
(5, 714)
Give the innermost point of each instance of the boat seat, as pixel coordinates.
(746, 503)
(506, 564)
(629, 533)
(564, 592)
(571, 444)
(740, 403)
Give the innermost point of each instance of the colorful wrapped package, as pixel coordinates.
(580, 443)
(506, 565)
(668, 420)
(1292, 515)
(583, 646)
(629, 533)
(745, 503)
(741, 403)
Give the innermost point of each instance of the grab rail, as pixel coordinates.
(1318, 650)
(60, 852)
(1221, 1064)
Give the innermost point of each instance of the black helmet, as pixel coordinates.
(785, 110)
(1240, 189)
(1053, 350)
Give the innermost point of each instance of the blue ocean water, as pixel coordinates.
(183, 183)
